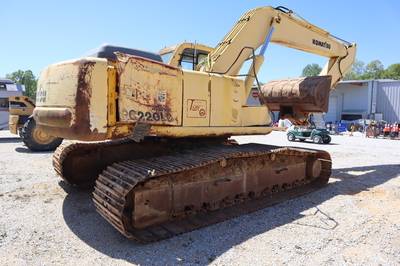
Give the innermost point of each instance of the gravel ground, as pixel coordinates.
(352, 221)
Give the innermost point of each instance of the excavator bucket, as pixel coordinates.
(295, 98)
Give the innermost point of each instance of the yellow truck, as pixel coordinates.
(155, 137)
(21, 122)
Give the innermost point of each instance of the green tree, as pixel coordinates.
(358, 71)
(311, 70)
(374, 70)
(358, 67)
(351, 75)
(25, 78)
(393, 72)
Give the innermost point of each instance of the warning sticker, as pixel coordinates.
(162, 96)
(196, 108)
(254, 93)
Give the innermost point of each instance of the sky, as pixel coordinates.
(38, 33)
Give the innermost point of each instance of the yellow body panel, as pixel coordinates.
(196, 99)
(218, 101)
(255, 115)
(227, 99)
(150, 92)
(13, 124)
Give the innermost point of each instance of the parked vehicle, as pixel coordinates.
(7, 88)
(315, 131)
(21, 122)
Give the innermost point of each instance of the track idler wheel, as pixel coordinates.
(314, 168)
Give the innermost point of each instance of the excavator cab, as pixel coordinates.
(185, 55)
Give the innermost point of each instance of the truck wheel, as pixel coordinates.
(317, 139)
(36, 139)
(291, 137)
(327, 140)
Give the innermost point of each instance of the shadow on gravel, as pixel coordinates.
(26, 150)
(10, 140)
(23, 149)
(81, 217)
(317, 144)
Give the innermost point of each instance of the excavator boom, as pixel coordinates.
(282, 26)
(294, 99)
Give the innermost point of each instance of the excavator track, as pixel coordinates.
(153, 199)
(80, 163)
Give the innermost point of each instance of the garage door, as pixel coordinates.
(331, 115)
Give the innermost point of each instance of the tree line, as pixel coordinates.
(360, 71)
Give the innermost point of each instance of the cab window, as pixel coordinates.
(189, 60)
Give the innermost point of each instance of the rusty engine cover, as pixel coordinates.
(297, 97)
(72, 99)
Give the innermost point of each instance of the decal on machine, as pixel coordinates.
(157, 114)
(41, 95)
(130, 92)
(162, 95)
(196, 108)
(254, 93)
(321, 43)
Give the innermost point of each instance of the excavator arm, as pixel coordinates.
(293, 98)
(279, 25)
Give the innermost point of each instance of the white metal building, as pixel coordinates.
(365, 99)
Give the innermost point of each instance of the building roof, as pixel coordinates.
(6, 81)
(368, 80)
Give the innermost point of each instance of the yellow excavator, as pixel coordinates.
(152, 131)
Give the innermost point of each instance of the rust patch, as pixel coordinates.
(121, 131)
(83, 98)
